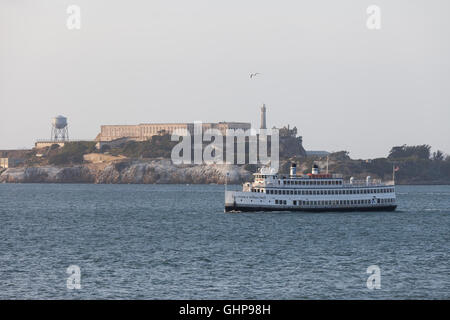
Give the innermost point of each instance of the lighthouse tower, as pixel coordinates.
(263, 117)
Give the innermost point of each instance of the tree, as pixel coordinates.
(438, 155)
(418, 152)
(105, 148)
(340, 155)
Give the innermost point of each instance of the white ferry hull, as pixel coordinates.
(236, 201)
(257, 208)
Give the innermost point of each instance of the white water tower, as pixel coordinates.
(60, 131)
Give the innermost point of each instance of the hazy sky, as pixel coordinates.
(344, 86)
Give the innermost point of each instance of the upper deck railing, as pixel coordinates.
(60, 141)
(349, 184)
(364, 183)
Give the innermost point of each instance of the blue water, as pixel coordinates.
(175, 242)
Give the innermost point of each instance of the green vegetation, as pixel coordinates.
(159, 146)
(71, 153)
(410, 152)
(417, 165)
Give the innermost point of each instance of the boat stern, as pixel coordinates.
(230, 202)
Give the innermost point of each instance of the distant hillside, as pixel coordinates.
(417, 165)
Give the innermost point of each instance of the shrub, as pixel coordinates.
(72, 153)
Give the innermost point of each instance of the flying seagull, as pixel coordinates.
(253, 74)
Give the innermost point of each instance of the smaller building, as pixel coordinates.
(317, 153)
(40, 144)
(10, 162)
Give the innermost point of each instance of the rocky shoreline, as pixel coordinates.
(157, 171)
(128, 172)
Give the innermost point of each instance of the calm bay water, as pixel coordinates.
(175, 242)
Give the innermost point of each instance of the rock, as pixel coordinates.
(135, 172)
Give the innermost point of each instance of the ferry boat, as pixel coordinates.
(314, 192)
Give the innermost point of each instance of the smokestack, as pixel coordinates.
(263, 117)
(293, 171)
(315, 169)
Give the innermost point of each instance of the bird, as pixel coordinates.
(253, 75)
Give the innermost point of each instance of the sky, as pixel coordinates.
(343, 85)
